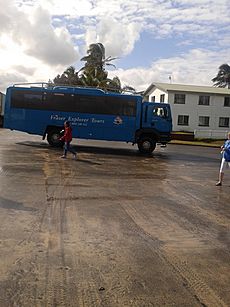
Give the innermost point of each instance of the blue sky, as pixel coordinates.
(186, 39)
(148, 49)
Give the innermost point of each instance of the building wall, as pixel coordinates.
(191, 108)
(157, 93)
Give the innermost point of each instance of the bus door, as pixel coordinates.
(159, 117)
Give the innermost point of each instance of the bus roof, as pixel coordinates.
(50, 86)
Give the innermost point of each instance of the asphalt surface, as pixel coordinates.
(113, 228)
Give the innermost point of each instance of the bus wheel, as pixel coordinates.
(53, 136)
(146, 145)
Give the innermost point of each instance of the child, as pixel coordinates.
(67, 138)
(225, 150)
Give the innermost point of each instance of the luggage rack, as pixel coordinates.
(47, 85)
(35, 84)
(54, 86)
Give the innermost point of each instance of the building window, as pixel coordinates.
(204, 100)
(183, 120)
(162, 98)
(224, 122)
(153, 98)
(227, 101)
(204, 121)
(179, 98)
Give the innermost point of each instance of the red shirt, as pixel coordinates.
(67, 137)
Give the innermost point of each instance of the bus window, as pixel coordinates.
(27, 100)
(68, 102)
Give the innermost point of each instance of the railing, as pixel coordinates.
(52, 85)
(38, 84)
(57, 87)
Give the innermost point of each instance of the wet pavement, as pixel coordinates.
(113, 228)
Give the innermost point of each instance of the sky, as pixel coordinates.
(177, 41)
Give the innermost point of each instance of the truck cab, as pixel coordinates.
(156, 126)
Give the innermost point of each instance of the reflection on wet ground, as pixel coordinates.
(10, 204)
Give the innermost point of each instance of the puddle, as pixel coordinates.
(10, 204)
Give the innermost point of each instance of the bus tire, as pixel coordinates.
(53, 136)
(146, 145)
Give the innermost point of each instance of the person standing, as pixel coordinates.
(67, 138)
(225, 150)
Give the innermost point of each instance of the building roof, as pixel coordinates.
(187, 88)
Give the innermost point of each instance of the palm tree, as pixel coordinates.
(69, 77)
(112, 85)
(93, 72)
(128, 88)
(96, 57)
(222, 79)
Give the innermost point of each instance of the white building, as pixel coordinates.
(203, 110)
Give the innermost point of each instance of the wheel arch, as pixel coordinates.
(50, 128)
(147, 132)
(53, 135)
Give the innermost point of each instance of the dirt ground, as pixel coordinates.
(112, 228)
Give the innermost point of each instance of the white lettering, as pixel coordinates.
(98, 121)
(80, 124)
(78, 119)
(57, 117)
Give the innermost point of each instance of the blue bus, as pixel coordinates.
(41, 109)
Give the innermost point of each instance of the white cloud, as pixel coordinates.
(164, 18)
(30, 48)
(9, 79)
(70, 7)
(145, 12)
(31, 28)
(197, 67)
(40, 38)
(118, 39)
